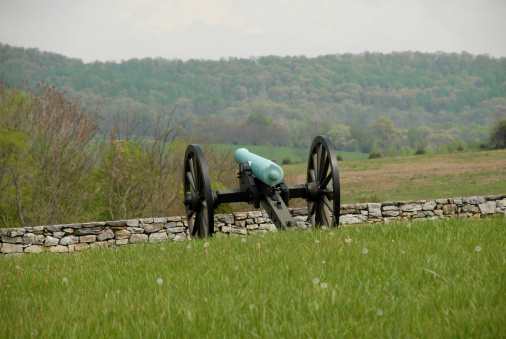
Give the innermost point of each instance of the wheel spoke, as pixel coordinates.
(328, 204)
(319, 152)
(191, 181)
(325, 182)
(312, 175)
(315, 164)
(325, 165)
(325, 217)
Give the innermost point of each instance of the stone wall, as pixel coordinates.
(80, 236)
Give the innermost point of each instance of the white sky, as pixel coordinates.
(115, 30)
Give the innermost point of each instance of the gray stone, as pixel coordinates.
(39, 239)
(470, 209)
(132, 223)
(4, 231)
(262, 220)
(11, 248)
(352, 219)
(138, 230)
(391, 213)
(411, 207)
(54, 228)
(176, 229)
(226, 219)
(239, 231)
(174, 219)
(442, 201)
(34, 249)
(93, 224)
(429, 205)
(89, 230)
(121, 242)
(449, 209)
(240, 215)
(179, 237)
(255, 214)
(51, 241)
(12, 240)
(389, 203)
(473, 200)
(255, 226)
(226, 229)
(374, 210)
(170, 224)
(138, 238)
(152, 228)
(106, 235)
(146, 221)
(159, 220)
(17, 232)
(81, 246)
(119, 223)
(458, 201)
(28, 238)
(122, 234)
(88, 238)
(423, 214)
(58, 235)
(69, 240)
(494, 197)
(390, 208)
(58, 249)
(487, 207)
(501, 204)
(158, 237)
(271, 227)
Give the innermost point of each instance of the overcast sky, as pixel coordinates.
(116, 30)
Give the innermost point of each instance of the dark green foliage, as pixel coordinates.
(498, 135)
(375, 155)
(339, 157)
(286, 161)
(420, 151)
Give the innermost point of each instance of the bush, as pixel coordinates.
(286, 161)
(375, 155)
(420, 150)
(339, 157)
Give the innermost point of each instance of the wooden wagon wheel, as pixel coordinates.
(199, 200)
(324, 191)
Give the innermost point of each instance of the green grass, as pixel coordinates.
(426, 280)
(295, 154)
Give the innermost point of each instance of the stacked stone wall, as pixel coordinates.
(80, 236)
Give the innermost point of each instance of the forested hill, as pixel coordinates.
(460, 94)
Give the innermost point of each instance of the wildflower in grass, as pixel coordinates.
(188, 246)
(477, 248)
(402, 252)
(206, 244)
(243, 240)
(236, 268)
(159, 281)
(162, 249)
(316, 281)
(317, 241)
(324, 227)
(258, 245)
(35, 333)
(379, 312)
(18, 267)
(365, 250)
(65, 280)
(408, 225)
(118, 291)
(252, 307)
(323, 262)
(323, 285)
(331, 233)
(347, 240)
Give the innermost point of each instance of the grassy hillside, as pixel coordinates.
(424, 280)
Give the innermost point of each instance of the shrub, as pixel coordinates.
(375, 155)
(339, 157)
(286, 161)
(420, 150)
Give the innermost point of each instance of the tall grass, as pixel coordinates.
(423, 279)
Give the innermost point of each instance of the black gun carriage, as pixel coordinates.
(261, 185)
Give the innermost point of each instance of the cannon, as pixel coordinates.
(261, 183)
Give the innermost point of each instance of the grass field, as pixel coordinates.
(423, 279)
(416, 177)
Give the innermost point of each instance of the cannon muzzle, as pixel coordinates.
(267, 171)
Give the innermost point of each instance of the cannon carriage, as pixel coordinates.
(261, 184)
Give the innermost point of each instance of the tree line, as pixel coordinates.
(448, 97)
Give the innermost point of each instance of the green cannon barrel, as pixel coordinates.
(267, 171)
